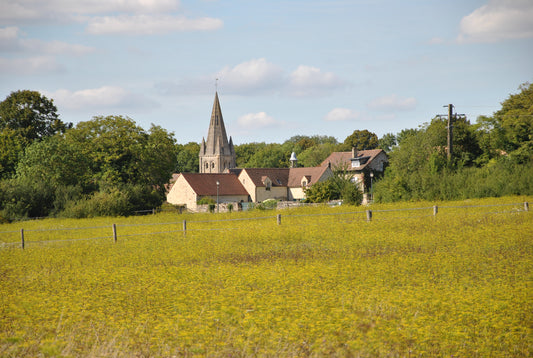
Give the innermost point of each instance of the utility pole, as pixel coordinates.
(450, 132)
(451, 118)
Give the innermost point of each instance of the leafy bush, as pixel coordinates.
(206, 201)
(268, 204)
(25, 199)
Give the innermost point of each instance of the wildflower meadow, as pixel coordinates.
(324, 281)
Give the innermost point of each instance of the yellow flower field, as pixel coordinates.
(323, 283)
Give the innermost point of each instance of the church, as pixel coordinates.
(216, 154)
(220, 180)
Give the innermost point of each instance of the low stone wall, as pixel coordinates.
(222, 208)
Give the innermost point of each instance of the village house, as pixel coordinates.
(360, 165)
(219, 180)
(189, 188)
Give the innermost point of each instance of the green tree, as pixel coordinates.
(516, 120)
(339, 186)
(120, 152)
(25, 116)
(245, 152)
(361, 140)
(12, 145)
(315, 155)
(271, 156)
(387, 142)
(188, 159)
(31, 114)
(57, 162)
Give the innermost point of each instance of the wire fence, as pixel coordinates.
(19, 238)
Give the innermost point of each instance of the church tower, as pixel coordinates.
(216, 154)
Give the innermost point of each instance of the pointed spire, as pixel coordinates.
(216, 145)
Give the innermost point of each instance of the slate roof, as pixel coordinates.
(205, 184)
(337, 159)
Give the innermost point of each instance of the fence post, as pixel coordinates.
(115, 232)
(526, 206)
(369, 215)
(184, 227)
(435, 210)
(279, 219)
(22, 238)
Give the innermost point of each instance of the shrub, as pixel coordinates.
(206, 201)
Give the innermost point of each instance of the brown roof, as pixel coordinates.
(344, 158)
(312, 174)
(206, 184)
(279, 176)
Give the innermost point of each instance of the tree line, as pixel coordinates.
(111, 166)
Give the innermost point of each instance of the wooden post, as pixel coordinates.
(22, 238)
(435, 210)
(184, 227)
(279, 219)
(526, 206)
(369, 215)
(115, 232)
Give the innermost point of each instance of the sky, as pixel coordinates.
(281, 68)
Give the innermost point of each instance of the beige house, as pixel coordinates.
(301, 178)
(191, 187)
(281, 183)
(361, 165)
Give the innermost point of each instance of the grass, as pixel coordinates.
(325, 282)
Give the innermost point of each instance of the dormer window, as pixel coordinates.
(267, 182)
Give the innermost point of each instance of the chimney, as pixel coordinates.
(353, 152)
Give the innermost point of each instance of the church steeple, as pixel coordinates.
(216, 153)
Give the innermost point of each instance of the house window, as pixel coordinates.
(304, 183)
(355, 164)
(268, 185)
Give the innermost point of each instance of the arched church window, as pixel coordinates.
(212, 165)
(206, 165)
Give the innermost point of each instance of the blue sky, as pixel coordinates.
(284, 68)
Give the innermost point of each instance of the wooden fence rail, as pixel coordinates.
(369, 217)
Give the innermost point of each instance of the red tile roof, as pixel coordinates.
(312, 174)
(278, 176)
(206, 184)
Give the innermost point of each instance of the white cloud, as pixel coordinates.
(254, 75)
(11, 41)
(258, 76)
(393, 103)
(257, 120)
(311, 81)
(149, 24)
(498, 20)
(30, 65)
(341, 114)
(100, 98)
(13, 11)
(108, 16)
